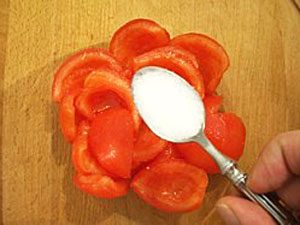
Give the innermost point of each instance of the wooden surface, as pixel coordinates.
(262, 86)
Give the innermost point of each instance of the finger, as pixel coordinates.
(234, 192)
(278, 162)
(238, 211)
(297, 215)
(290, 193)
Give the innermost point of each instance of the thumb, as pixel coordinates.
(238, 211)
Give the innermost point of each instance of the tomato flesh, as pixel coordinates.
(101, 186)
(82, 159)
(147, 145)
(93, 101)
(212, 103)
(72, 73)
(103, 90)
(137, 37)
(169, 153)
(176, 59)
(212, 57)
(68, 116)
(172, 186)
(111, 140)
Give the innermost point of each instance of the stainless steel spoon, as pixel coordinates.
(228, 167)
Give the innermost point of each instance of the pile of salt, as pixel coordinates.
(168, 104)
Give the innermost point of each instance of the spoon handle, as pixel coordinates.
(270, 202)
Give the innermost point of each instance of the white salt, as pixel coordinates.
(168, 104)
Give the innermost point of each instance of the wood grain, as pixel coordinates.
(3, 34)
(262, 86)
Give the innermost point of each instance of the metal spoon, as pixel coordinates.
(227, 166)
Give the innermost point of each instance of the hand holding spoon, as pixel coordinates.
(174, 111)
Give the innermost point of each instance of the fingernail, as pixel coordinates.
(227, 214)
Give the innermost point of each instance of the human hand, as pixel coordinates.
(277, 169)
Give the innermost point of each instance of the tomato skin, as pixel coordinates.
(176, 59)
(227, 133)
(101, 186)
(212, 103)
(137, 37)
(147, 145)
(212, 57)
(72, 73)
(111, 140)
(68, 116)
(171, 186)
(103, 90)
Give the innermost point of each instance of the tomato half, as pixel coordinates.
(101, 186)
(212, 103)
(82, 159)
(226, 131)
(172, 186)
(147, 145)
(169, 153)
(111, 140)
(176, 59)
(72, 73)
(68, 116)
(212, 57)
(103, 90)
(137, 37)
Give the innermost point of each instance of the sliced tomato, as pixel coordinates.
(175, 59)
(103, 90)
(101, 186)
(111, 140)
(147, 145)
(68, 116)
(137, 37)
(226, 131)
(169, 153)
(212, 57)
(172, 186)
(82, 158)
(72, 73)
(212, 103)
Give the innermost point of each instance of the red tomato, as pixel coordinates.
(103, 90)
(147, 145)
(172, 186)
(169, 153)
(137, 37)
(226, 131)
(111, 139)
(175, 59)
(72, 73)
(101, 186)
(212, 57)
(68, 116)
(212, 103)
(82, 159)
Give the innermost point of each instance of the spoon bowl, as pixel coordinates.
(174, 117)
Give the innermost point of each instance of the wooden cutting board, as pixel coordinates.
(262, 86)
